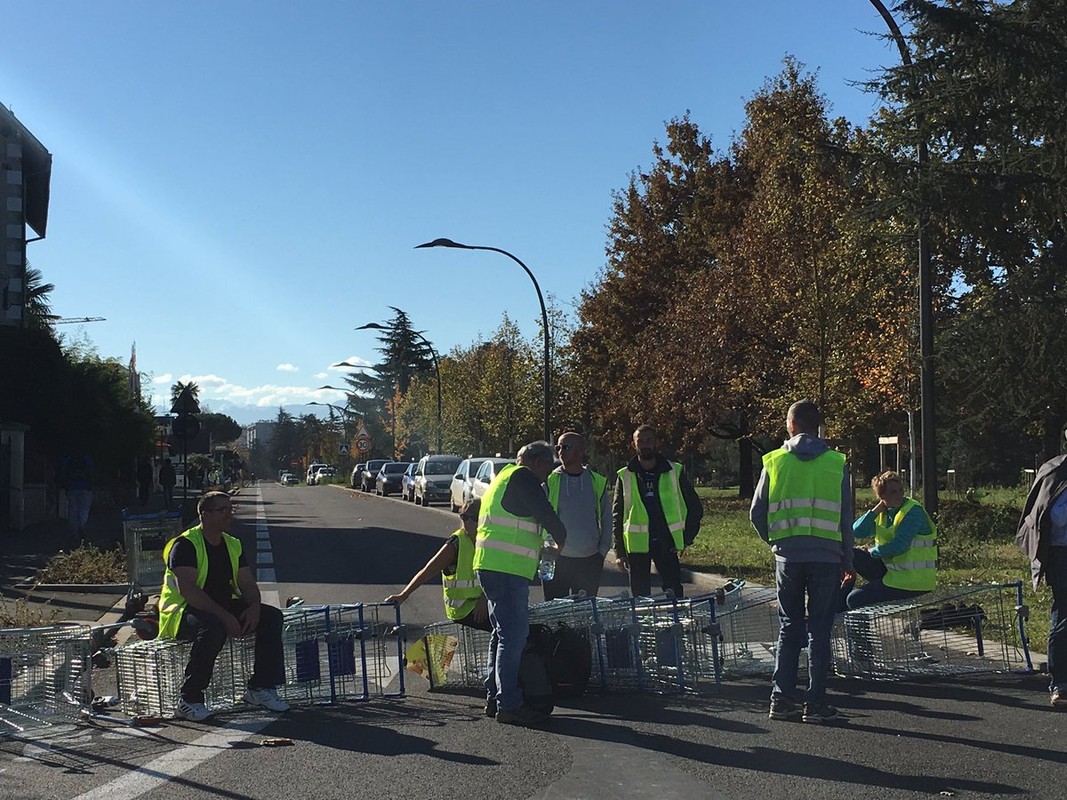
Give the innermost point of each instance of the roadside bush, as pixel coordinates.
(26, 615)
(87, 564)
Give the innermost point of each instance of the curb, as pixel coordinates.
(81, 588)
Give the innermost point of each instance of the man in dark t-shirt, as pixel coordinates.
(222, 601)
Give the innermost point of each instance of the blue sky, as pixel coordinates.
(237, 185)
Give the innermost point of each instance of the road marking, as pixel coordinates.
(264, 556)
(176, 762)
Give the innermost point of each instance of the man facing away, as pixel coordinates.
(799, 509)
(579, 496)
(209, 593)
(1042, 536)
(506, 555)
(655, 515)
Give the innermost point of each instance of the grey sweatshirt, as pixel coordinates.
(588, 523)
(805, 446)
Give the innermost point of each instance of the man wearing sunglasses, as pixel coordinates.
(656, 514)
(580, 497)
(209, 594)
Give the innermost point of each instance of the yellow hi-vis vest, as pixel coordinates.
(600, 483)
(506, 543)
(914, 570)
(171, 603)
(461, 588)
(804, 497)
(635, 515)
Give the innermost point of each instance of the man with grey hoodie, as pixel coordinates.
(800, 509)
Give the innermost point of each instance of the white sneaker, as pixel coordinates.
(194, 712)
(268, 698)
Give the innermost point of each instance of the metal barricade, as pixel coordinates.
(308, 678)
(144, 536)
(383, 638)
(45, 676)
(450, 655)
(748, 624)
(952, 631)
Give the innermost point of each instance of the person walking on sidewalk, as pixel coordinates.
(209, 594)
(798, 509)
(167, 480)
(579, 495)
(77, 479)
(506, 555)
(655, 515)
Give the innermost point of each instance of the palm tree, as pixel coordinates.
(38, 309)
(179, 387)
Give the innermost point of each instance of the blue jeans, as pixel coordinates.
(820, 584)
(1056, 578)
(874, 591)
(509, 611)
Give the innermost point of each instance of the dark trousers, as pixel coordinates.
(874, 591)
(1056, 578)
(208, 635)
(575, 576)
(666, 559)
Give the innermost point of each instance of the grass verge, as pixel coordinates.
(976, 545)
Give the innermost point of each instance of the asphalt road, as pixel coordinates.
(985, 737)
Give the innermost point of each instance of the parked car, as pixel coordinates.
(407, 482)
(324, 474)
(370, 473)
(433, 478)
(357, 472)
(460, 488)
(289, 479)
(389, 476)
(486, 472)
(313, 472)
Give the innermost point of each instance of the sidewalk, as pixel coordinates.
(24, 552)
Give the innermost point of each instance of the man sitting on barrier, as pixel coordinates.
(465, 601)
(210, 593)
(903, 561)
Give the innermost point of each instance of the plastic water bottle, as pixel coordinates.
(547, 568)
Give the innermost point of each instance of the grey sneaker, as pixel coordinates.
(819, 713)
(783, 708)
(268, 698)
(194, 712)
(1058, 697)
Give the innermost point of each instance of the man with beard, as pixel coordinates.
(655, 515)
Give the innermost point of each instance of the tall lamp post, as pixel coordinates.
(436, 368)
(544, 315)
(343, 413)
(926, 298)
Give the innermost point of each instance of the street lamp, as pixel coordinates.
(540, 299)
(926, 299)
(436, 368)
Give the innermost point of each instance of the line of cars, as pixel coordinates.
(432, 479)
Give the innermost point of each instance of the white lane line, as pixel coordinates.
(264, 556)
(175, 763)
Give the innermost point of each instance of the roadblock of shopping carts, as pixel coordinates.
(357, 652)
(685, 645)
(331, 653)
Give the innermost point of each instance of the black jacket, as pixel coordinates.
(694, 510)
(1035, 524)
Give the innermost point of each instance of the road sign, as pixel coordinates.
(362, 432)
(342, 448)
(363, 444)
